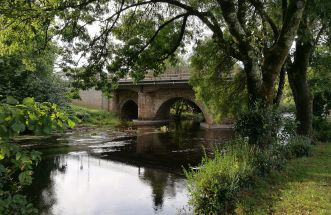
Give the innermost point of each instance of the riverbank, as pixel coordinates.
(303, 187)
(95, 117)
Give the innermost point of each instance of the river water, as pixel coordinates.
(118, 171)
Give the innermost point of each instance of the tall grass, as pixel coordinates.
(95, 117)
(214, 186)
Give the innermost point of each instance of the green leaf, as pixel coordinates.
(18, 155)
(71, 124)
(18, 127)
(28, 101)
(2, 118)
(25, 178)
(11, 100)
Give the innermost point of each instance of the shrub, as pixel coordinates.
(299, 146)
(16, 204)
(288, 128)
(16, 164)
(322, 129)
(213, 188)
(94, 117)
(16, 167)
(20, 81)
(215, 185)
(260, 125)
(267, 160)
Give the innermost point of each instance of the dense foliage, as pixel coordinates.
(217, 80)
(221, 178)
(27, 54)
(214, 187)
(30, 115)
(16, 169)
(322, 129)
(320, 81)
(20, 81)
(127, 40)
(16, 164)
(260, 125)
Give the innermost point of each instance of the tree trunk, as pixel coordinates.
(254, 81)
(281, 85)
(297, 75)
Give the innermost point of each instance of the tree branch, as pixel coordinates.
(203, 16)
(179, 39)
(185, 15)
(284, 9)
(242, 13)
(229, 12)
(259, 7)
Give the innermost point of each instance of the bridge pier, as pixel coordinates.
(145, 106)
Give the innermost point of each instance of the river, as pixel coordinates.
(100, 171)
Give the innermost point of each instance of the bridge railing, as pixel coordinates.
(169, 75)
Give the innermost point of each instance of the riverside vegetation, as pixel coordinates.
(16, 163)
(280, 174)
(94, 117)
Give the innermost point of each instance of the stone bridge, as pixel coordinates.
(148, 101)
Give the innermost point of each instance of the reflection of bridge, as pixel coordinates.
(148, 101)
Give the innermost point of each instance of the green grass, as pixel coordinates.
(96, 117)
(303, 187)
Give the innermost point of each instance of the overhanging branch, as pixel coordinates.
(260, 9)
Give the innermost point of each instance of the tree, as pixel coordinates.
(217, 82)
(20, 81)
(314, 31)
(136, 36)
(27, 54)
(320, 81)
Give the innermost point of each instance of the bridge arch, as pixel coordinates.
(129, 110)
(163, 108)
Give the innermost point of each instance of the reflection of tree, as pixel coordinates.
(184, 130)
(41, 192)
(162, 183)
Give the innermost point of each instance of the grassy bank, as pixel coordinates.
(303, 187)
(96, 117)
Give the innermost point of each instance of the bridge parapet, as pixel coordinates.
(175, 75)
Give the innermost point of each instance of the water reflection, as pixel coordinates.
(184, 145)
(83, 184)
(132, 175)
(162, 184)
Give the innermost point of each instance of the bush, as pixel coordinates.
(288, 128)
(260, 125)
(267, 160)
(16, 167)
(16, 204)
(20, 81)
(299, 146)
(16, 164)
(94, 117)
(213, 188)
(322, 129)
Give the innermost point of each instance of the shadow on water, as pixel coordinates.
(140, 174)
